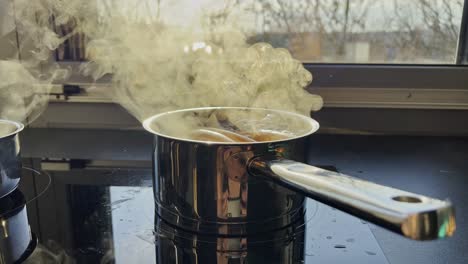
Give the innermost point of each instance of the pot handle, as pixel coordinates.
(411, 215)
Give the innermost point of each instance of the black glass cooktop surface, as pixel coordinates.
(98, 207)
(100, 213)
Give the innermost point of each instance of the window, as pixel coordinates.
(361, 31)
(318, 31)
(363, 54)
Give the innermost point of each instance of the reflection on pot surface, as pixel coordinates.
(284, 246)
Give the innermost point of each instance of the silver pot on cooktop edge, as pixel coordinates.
(10, 158)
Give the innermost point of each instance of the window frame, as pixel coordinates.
(388, 75)
(462, 52)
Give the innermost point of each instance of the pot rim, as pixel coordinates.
(314, 125)
(19, 128)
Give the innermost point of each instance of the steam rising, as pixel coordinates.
(23, 97)
(25, 84)
(159, 65)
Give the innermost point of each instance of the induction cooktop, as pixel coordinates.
(106, 215)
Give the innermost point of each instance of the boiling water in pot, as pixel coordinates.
(231, 125)
(6, 128)
(225, 135)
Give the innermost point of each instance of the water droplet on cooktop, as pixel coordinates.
(329, 237)
(370, 253)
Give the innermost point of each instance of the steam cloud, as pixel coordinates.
(25, 84)
(21, 95)
(24, 93)
(160, 62)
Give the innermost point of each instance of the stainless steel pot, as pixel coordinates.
(249, 188)
(10, 158)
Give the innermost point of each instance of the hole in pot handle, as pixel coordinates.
(407, 199)
(411, 215)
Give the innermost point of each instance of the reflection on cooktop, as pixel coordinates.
(107, 216)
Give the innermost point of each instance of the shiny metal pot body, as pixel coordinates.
(207, 188)
(10, 158)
